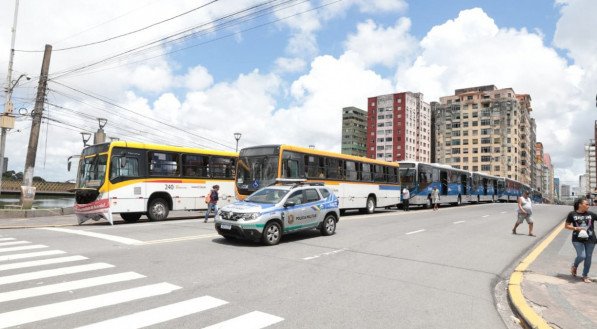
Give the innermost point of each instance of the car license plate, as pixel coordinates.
(226, 227)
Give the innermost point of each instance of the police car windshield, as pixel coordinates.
(267, 195)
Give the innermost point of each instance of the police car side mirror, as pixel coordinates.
(289, 204)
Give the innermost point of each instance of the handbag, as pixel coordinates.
(583, 235)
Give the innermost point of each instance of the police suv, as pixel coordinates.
(273, 211)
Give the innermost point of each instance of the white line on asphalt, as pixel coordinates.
(35, 246)
(31, 255)
(109, 237)
(43, 312)
(159, 314)
(253, 320)
(12, 243)
(503, 212)
(68, 286)
(325, 254)
(51, 273)
(459, 222)
(182, 238)
(7, 239)
(40, 262)
(485, 216)
(413, 232)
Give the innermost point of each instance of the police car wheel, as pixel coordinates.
(272, 234)
(328, 227)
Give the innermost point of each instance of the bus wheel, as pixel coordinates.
(131, 217)
(328, 227)
(271, 234)
(370, 205)
(157, 209)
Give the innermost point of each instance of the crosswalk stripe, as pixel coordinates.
(43, 312)
(31, 255)
(7, 239)
(108, 237)
(41, 262)
(35, 246)
(68, 286)
(253, 320)
(159, 314)
(51, 273)
(12, 243)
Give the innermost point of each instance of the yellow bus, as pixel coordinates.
(134, 179)
(359, 183)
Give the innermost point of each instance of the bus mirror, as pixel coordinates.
(289, 204)
(68, 166)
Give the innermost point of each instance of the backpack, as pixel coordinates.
(208, 198)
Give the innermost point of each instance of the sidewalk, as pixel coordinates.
(558, 299)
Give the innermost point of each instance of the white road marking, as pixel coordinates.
(159, 314)
(253, 320)
(33, 263)
(109, 237)
(324, 254)
(51, 273)
(12, 243)
(68, 286)
(413, 232)
(503, 212)
(485, 216)
(31, 255)
(7, 239)
(43, 312)
(182, 238)
(459, 222)
(35, 246)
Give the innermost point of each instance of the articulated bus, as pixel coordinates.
(512, 190)
(134, 179)
(420, 178)
(485, 187)
(359, 183)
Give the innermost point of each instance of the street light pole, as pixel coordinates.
(237, 137)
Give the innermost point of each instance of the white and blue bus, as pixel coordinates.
(511, 190)
(484, 187)
(454, 185)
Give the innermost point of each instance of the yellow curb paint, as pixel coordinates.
(514, 285)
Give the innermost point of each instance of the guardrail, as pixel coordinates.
(10, 186)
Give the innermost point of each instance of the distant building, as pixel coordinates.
(354, 131)
(486, 129)
(590, 169)
(583, 184)
(548, 176)
(399, 127)
(565, 191)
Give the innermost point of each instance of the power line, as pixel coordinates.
(124, 34)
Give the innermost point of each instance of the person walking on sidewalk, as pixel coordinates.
(525, 210)
(582, 224)
(405, 199)
(435, 198)
(212, 202)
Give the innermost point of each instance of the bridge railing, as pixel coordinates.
(43, 187)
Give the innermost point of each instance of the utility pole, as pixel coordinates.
(35, 126)
(8, 121)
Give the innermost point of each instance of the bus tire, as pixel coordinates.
(370, 206)
(328, 227)
(272, 233)
(157, 209)
(131, 217)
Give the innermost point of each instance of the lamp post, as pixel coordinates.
(237, 137)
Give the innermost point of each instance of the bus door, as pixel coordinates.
(495, 187)
(443, 178)
(484, 186)
(126, 165)
(463, 184)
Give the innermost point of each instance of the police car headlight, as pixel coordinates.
(251, 216)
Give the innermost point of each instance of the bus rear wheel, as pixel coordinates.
(157, 209)
(370, 208)
(131, 217)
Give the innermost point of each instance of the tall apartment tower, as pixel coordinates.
(486, 129)
(354, 131)
(590, 167)
(539, 168)
(399, 127)
(548, 176)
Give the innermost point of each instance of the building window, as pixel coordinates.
(485, 140)
(485, 158)
(485, 149)
(485, 167)
(486, 131)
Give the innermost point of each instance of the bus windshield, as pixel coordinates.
(407, 177)
(92, 170)
(255, 172)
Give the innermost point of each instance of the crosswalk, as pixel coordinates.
(36, 282)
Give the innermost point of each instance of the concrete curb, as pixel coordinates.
(529, 316)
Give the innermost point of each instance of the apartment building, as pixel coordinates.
(486, 129)
(590, 168)
(354, 131)
(548, 176)
(399, 127)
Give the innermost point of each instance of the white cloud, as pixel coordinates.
(198, 78)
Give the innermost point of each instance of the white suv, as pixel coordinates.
(273, 211)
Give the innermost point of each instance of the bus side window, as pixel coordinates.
(366, 173)
(351, 173)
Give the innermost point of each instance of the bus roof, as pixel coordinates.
(171, 148)
(327, 153)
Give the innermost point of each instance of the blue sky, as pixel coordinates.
(286, 82)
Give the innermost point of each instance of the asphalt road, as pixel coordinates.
(394, 269)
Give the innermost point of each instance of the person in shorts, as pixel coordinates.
(525, 210)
